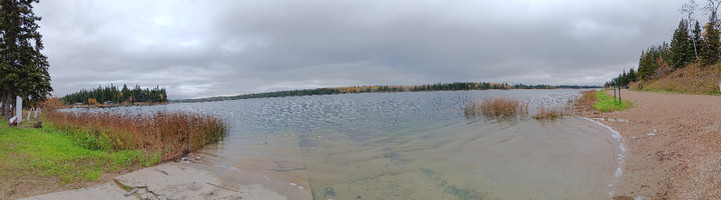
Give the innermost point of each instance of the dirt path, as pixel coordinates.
(674, 145)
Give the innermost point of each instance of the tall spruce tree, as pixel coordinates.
(711, 46)
(681, 46)
(23, 69)
(644, 63)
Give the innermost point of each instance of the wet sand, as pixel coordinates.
(674, 145)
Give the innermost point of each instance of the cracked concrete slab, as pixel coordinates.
(178, 180)
(110, 191)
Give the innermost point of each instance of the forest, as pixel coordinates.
(111, 94)
(690, 45)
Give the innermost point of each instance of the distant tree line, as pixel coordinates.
(381, 89)
(460, 86)
(624, 79)
(487, 86)
(689, 45)
(113, 94)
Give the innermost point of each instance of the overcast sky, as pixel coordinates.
(211, 48)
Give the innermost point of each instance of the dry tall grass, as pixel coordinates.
(170, 134)
(587, 99)
(473, 108)
(544, 113)
(691, 79)
(498, 107)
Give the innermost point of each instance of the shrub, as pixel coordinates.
(52, 104)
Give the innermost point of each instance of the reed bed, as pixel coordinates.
(552, 114)
(498, 107)
(170, 134)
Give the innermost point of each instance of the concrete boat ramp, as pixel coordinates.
(190, 180)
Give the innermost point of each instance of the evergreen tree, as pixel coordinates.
(681, 46)
(647, 63)
(710, 48)
(651, 60)
(23, 69)
(124, 93)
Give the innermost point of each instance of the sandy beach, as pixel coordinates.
(673, 145)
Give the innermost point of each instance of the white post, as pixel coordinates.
(28, 118)
(719, 86)
(19, 108)
(36, 113)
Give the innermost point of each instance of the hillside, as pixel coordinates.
(691, 79)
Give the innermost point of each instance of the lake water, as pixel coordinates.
(417, 145)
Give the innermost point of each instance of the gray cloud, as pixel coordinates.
(199, 49)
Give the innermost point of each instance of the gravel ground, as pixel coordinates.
(674, 145)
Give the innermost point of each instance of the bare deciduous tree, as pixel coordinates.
(712, 8)
(689, 8)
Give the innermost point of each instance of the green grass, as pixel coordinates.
(47, 152)
(606, 103)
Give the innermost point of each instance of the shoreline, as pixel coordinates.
(672, 146)
(667, 150)
(619, 157)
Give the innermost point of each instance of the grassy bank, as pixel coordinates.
(73, 150)
(41, 160)
(691, 79)
(606, 103)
